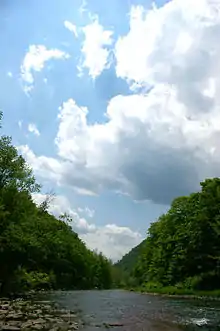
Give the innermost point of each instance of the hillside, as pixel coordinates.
(37, 250)
(128, 261)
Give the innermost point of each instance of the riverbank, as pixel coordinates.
(173, 291)
(22, 314)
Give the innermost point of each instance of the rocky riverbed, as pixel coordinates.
(20, 314)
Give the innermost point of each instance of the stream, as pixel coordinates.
(121, 310)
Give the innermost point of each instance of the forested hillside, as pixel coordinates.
(36, 249)
(129, 260)
(182, 248)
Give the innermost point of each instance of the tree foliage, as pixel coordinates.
(36, 249)
(129, 260)
(182, 248)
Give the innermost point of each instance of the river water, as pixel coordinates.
(120, 310)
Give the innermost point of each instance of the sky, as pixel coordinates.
(115, 105)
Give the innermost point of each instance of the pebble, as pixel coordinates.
(18, 315)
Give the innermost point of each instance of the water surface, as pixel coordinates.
(120, 310)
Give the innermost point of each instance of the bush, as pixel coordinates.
(205, 281)
(152, 286)
(23, 281)
(40, 280)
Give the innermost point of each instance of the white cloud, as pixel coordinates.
(45, 167)
(83, 7)
(112, 240)
(71, 27)
(157, 145)
(87, 211)
(9, 74)
(20, 124)
(95, 49)
(169, 45)
(33, 129)
(60, 205)
(35, 60)
(84, 191)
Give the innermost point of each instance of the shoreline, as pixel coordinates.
(209, 295)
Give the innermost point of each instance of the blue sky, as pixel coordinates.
(114, 105)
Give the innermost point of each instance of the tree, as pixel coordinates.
(14, 171)
(183, 245)
(37, 249)
(45, 204)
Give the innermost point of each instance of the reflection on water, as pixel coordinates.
(129, 311)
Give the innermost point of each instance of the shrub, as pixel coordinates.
(23, 281)
(205, 281)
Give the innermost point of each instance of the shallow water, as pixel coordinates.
(129, 311)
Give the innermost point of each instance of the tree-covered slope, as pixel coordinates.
(182, 248)
(38, 250)
(129, 260)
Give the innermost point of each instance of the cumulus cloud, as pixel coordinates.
(33, 129)
(112, 240)
(95, 49)
(34, 61)
(43, 166)
(155, 145)
(170, 45)
(71, 27)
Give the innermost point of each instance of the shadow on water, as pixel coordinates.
(128, 311)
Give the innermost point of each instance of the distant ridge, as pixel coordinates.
(129, 260)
